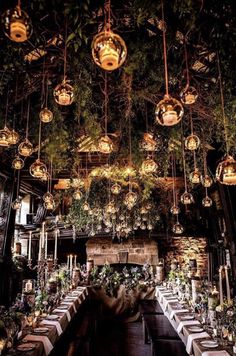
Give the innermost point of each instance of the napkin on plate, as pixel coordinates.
(186, 322)
(167, 301)
(53, 323)
(70, 303)
(216, 353)
(65, 311)
(192, 337)
(40, 338)
(162, 295)
(176, 311)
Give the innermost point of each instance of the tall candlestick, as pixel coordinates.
(71, 264)
(68, 262)
(220, 286)
(40, 246)
(43, 234)
(46, 245)
(55, 246)
(75, 261)
(227, 284)
(30, 243)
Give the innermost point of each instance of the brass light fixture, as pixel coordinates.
(169, 111)
(226, 169)
(17, 24)
(108, 49)
(25, 148)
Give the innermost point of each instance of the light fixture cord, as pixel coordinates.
(164, 49)
(27, 120)
(183, 156)
(204, 155)
(40, 127)
(186, 62)
(106, 103)
(18, 184)
(65, 52)
(108, 15)
(222, 105)
(173, 176)
(146, 117)
(6, 112)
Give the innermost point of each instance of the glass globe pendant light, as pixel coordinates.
(195, 176)
(192, 142)
(77, 194)
(5, 132)
(17, 24)
(16, 204)
(175, 208)
(38, 169)
(149, 166)
(186, 198)
(18, 163)
(169, 111)
(189, 94)
(115, 188)
(206, 181)
(177, 228)
(45, 114)
(108, 49)
(130, 199)
(226, 169)
(105, 144)
(207, 201)
(25, 148)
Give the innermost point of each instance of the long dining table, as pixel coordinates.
(55, 325)
(184, 321)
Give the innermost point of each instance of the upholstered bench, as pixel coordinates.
(158, 327)
(150, 306)
(162, 347)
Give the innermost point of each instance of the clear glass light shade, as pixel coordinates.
(192, 142)
(45, 177)
(178, 229)
(108, 50)
(64, 93)
(149, 143)
(226, 171)
(86, 206)
(207, 202)
(46, 115)
(38, 169)
(47, 197)
(149, 166)
(169, 111)
(207, 181)
(188, 95)
(105, 145)
(25, 148)
(49, 205)
(13, 137)
(77, 194)
(16, 204)
(17, 25)
(143, 226)
(195, 176)
(130, 199)
(4, 137)
(174, 210)
(186, 198)
(116, 189)
(110, 208)
(18, 163)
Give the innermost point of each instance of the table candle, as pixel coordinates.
(28, 286)
(227, 284)
(55, 246)
(46, 245)
(68, 262)
(30, 243)
(220, 286)
(71, 264)
(43, 234)
(75, 261)
(40, 246)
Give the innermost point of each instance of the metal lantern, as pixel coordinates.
(17, 25)
(77, 194)
(46, 115)
(226, 171)
(18, 163)
(25, 148)
(108, 50)
(38, 169)
(207, 181)
(116, 189)
(207, 202)
(174, 210)
(86, 206)
(192, 142)
(4, 137)
(64, 93)
(105, 145)
(13, 137)
(186, 198)
(169, 111)
(149, 166)
(49, 205)
(195, 176)
(16, 204)
(130, 199)
(47, 197)
(188, 95)
(178, 229)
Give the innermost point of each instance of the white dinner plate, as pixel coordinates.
(209, 343)
(27, 346)
(52, 317)
(41, 330)
(195, 329)
(187, 317)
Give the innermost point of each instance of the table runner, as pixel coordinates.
(40, 338)
(53, 323)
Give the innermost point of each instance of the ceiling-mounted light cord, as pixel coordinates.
(107, 15)
(183, 156)
(6, 112)
(65, 51)
(27, 120)
(186, 62)
(40, 127)
(222, 105)
(18, 184)
(106, 103)
(174, 195)
(164, 49)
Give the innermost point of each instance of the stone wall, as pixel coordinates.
(137, 251)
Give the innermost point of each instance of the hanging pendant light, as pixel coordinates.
(186, 198)
(169, 111)
(86, 206)
(192, 142)
(18, 163)
(46, 115)
(105, 145)
(49, 205)
(206, 181)
(38, 169)
(25, 148)
(108, 49)
(116, 189)
(177, 228)
(110, 208)
(149, 143)
(189, 94)
(13, 137)
(17, 24)
(207, 202)
(130, 199)
(47, 197)
(16, 204)
(195, 176)
(4, 137)
(226, 169)
(174, 210)
(77, 194)
(149, 166)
